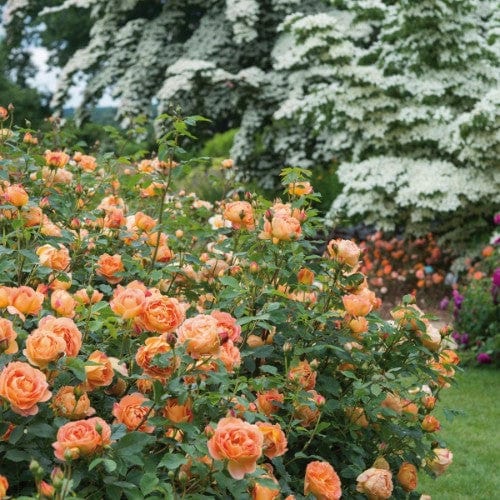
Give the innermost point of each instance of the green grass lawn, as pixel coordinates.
(474, 439)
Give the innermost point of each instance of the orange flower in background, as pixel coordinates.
(449, 357)
(108, 266)
(4, 486)
(266, 402)
(488, 251)
(56, 159)
(16, 195)
(161, 314)
(300, 188)
(305, 276)
(357, 416)
(408, 476)
(376, 484)
(3, 113)
(132, 412)
(240, 214)
(303, 374)
(200, 335)
(144, 357)
(71, 403)
(25, 300)
(55, 258)
(322, 481)
(178, 413)
(356, 305)
(23, 387)
(238, 442)
(66, 329)
(43, 347)
(344, 251)
(63, 303)
(100, 373)
(81, 438)
(275, 442)
(8, 335)
(144, 222)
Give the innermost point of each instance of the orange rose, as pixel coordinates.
(449, 357)
(152, 347)
(127, 302)
(430, 424)
(160, 314)
(393, 402)
(408, 476)
(230, 355)
(308, 412)
(200, 335)
(144, 222)
(16, 195)
(57, 259)
(356, 305)
(108, 266)
(63, 303)
(357, 416)
(305, 276)
(322, 481)
(441, 460)
(261, 492)
(5, 296)
(4, 486)
(26, 301)
(303, 374)
(300, 188)
(87, 163)
(100, 373)
(275, 442)
(164, 254)
(227, 326)
(281, 227)
(66, 329)
(8, 335)
(266, 401)
(133, 413)
(71, 403)
(344, 251)
(240, 214)
(376, 484)
(358, 326)
(81, 438)
(23, 387)
(43, 347)
(178, 413)
(56, 159)
(238, 442)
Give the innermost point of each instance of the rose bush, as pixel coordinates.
(154, 345)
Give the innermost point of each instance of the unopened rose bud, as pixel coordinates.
(79, 189)
(254, 267)
(381, 463)
(179, 233)
(11, 107)
(268, 215)
(287, 346)
(75, 223)
(36, 470)
(44, 202)
(314, 364)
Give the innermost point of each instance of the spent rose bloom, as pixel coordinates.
(238, 442)
(322, 481)
(132, 412)
(376, 484)
(23, 387)
(81, 438)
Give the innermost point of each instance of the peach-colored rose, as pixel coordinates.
(356, 305)
(60, 176)
(127, 302)
(5, 296)
(281, 227)
(261, 492)
(240, 214)
(394, 402)
(431, 338)
(86, 162)
(228, 328)
(111, 201)
(200, 335)
(66, 329)
(4, 486)
(108, 266)
(305, 276)
(164, 254)
(43, 347)
(410, 409)
(63, 303)
(449, 357)
(344, 251)
(61, 281)
(266, 402)
(57, 259)
(49, 228)
(144, 357)
(308, 413)
(3, 113)
(100, 373)
(8, 335)
(230, 355)
(154, 189)
(300, 188)
(56, 159)
(357, 416)
(275, 442)
(238, 442)
(81, 438)
(133, 413)
(376, 484)
(322, 481)
(303, 374)
(358, 326)
(23, 387)
(160, 314)
(32, 216)
(71, 403)
(25, 300)
(82, 297)
(408, 476)
(178, 413)
(114, 218)
(430, 424)
(16, 195)
(144, 222)
(441, 460)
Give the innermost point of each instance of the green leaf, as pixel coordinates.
(77, 366)
(269, 369)
(172, 460)
(17, 456)
(148, 482)
(42, 430)
(132, 443)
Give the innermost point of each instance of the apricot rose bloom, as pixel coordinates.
(300, 188)
(281, 227)
(160, 314)
(8, 335)
(71, 403)
(66, 329)
(238, 442)
(322, 481)
(132, 412)
(303, 374)
(108, 266)
(127, 302)
(356, 305)
(227, 326)
(81, 438)
(240, 214)
(178, 413)
(376, 484)
(344, 251)
(57, 259)
(16, 195)
(152, 347)
(441, 460)
(56, 159)
(23, 387)
(63, 303)
(266, 401)
(200, 335)
(275, 442)
(100, 373)
(408, 476)
(25, 300)
(43, 347)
